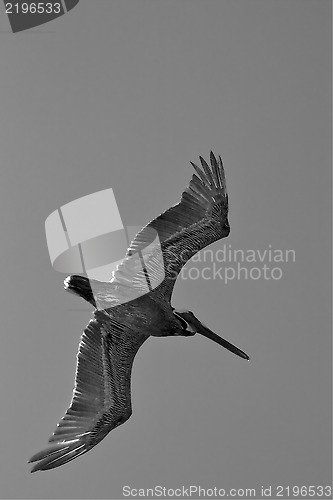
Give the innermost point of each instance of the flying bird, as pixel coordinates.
(133, 305)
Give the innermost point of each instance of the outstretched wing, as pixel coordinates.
(199, 219)
(102, 394)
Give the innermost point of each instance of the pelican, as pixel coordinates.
(127, 314)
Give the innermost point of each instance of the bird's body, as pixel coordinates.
(134, 305)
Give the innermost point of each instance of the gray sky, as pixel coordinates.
(124, 94)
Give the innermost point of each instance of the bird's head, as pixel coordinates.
(191, 325)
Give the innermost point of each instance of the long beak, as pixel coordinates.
(200, 328)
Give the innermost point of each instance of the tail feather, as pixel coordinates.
(80, 285)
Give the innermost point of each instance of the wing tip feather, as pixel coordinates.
(211, 176)
(59, 454)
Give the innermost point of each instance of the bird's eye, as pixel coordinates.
(183, 322)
